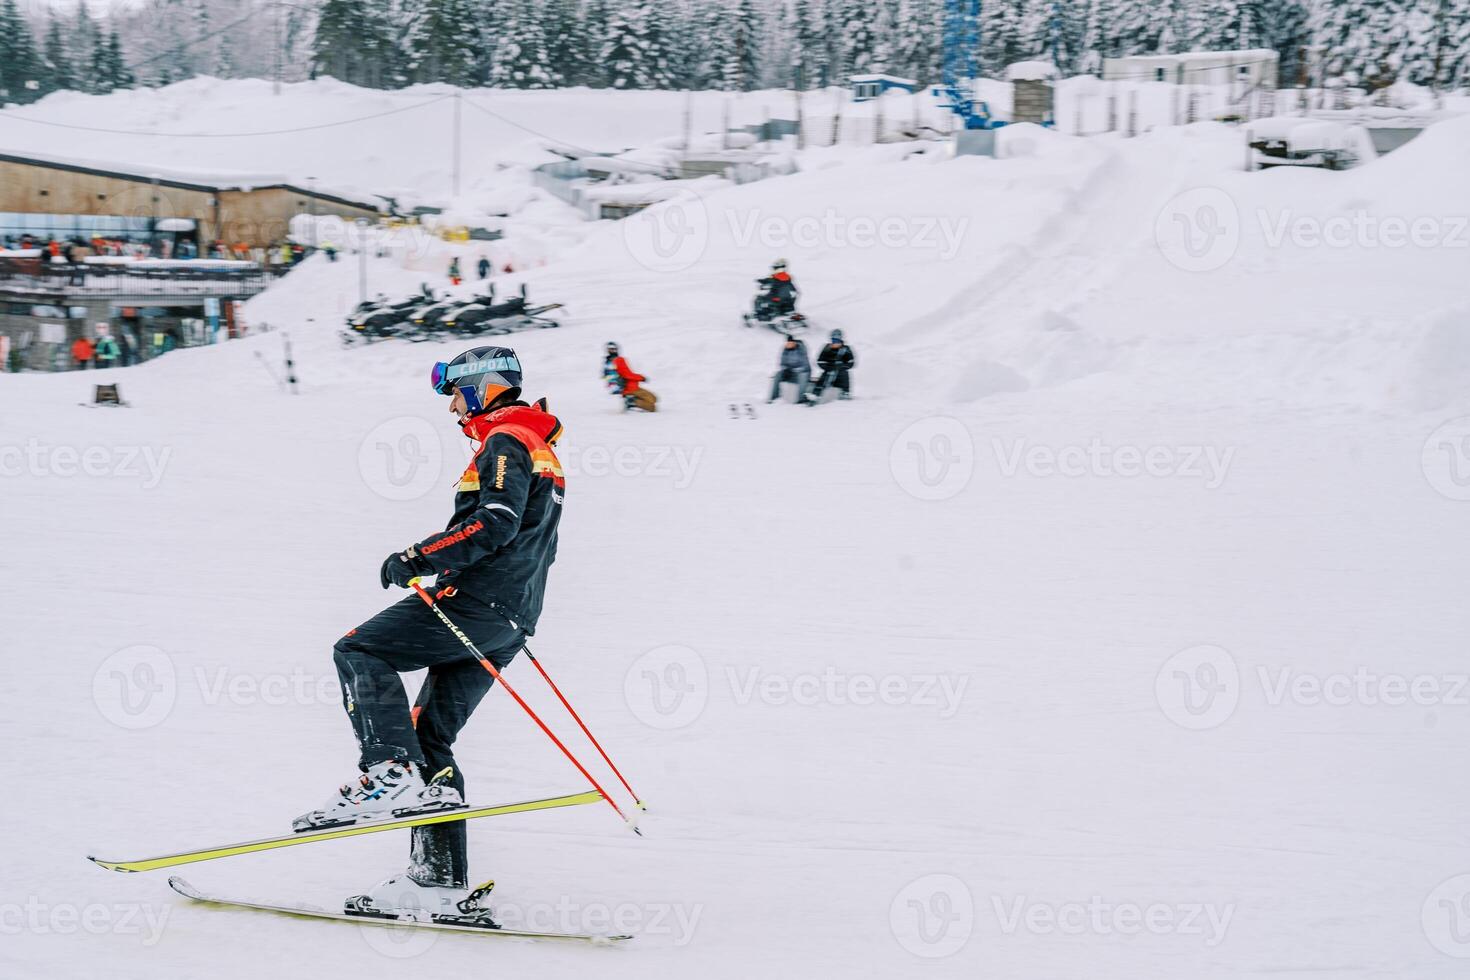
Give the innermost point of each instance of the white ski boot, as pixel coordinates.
(402, 897)
(387, 790)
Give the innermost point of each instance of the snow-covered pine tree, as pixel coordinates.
(1000, 36)
(57, 62)
(737, 46)
(81, 49)
(852, 22)
(684, 44)
(633, 51)
(1281, 25)
(1455, 69)
(20, 63)
(807, 52)
(352, 43)
(522, 58)
(114, 65)
(444, 43)
(917, 33)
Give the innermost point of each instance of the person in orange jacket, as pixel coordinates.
(81, 353)
(626, 382)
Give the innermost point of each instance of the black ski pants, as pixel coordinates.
(408, 636)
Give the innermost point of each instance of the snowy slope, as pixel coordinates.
(901, 679)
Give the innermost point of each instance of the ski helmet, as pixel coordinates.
(481, 374)
(779, 265)
(836, 335)
(612, 349)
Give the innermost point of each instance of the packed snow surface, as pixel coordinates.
(1114, 629)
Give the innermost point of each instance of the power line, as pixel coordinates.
(264, 132)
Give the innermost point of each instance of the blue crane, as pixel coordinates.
(962, 65)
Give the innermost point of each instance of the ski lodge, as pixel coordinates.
(48, 198)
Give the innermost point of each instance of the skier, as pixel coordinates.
(835, 360)
(483, 266)
(491, 562)
(778, 295)
(626, 382)
(795, 366)
(454, 276)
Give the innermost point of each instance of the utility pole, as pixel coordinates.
(362, 228)
(280, 44)
(455, 183)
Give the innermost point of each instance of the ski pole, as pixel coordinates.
(585, 730)
(485, 662)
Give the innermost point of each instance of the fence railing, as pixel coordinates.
(79, 278)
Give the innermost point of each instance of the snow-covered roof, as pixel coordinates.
(202, 180)
(1193, 57)
(881, 77)
(1031, 71)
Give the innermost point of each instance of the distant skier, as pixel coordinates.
(796, 367)
(483, 266)
(454, 274)
(626, 382)
(836, 361)
(492, 562)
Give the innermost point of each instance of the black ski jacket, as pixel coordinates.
(836, 357)
(501, 541)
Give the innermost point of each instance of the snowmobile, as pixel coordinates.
(379, 320)
(767, 312)
(484, 316)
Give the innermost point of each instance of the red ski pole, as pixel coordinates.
(585, 730)
(485, 662)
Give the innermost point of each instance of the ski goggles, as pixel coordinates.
(445, 376)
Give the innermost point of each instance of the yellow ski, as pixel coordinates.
(337, 833)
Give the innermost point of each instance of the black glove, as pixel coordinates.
(399, 568)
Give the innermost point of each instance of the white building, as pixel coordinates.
(1249, 69)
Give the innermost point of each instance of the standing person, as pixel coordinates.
(483, 266)
(626, 382)
(835, 360)
(81, 352)
(129, 349)
(492, 563)
(795, 366)
(454, 274)
(107, 351)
